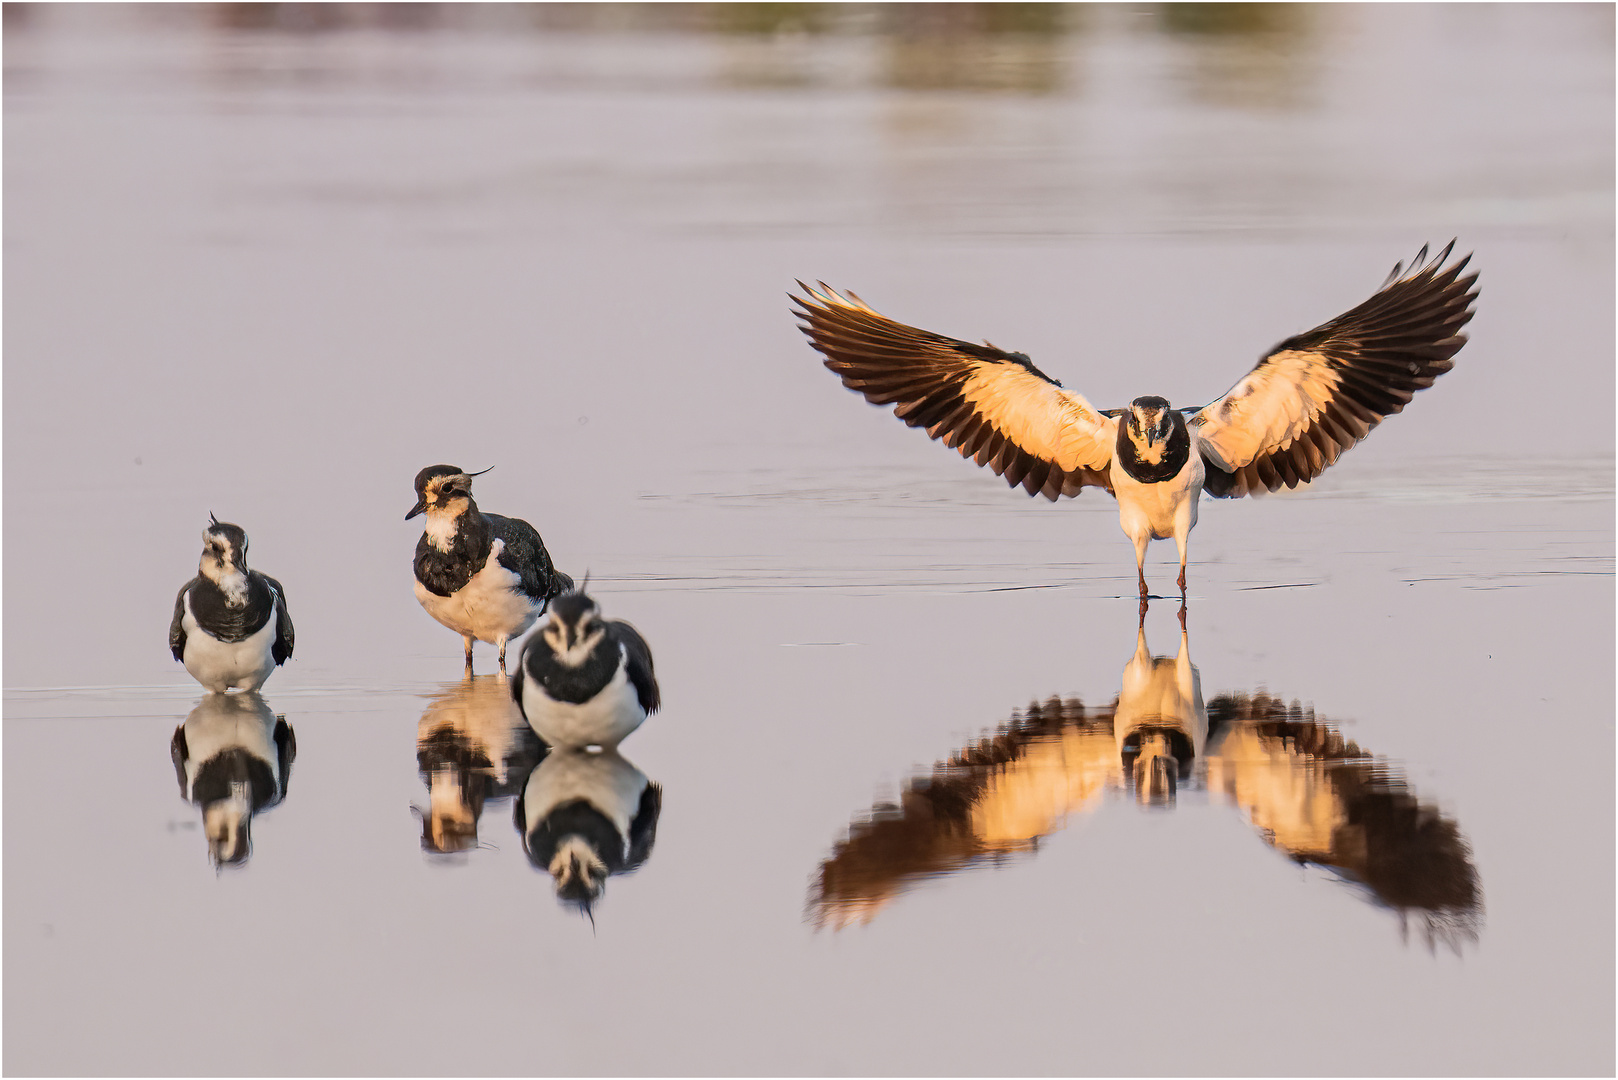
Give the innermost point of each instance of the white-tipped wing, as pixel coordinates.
(994, 407)
(1317, 394)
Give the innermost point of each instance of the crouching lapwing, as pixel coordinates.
(484, 576)
(1312, 397)
(231, 627)
(584, 680)
(585, 816)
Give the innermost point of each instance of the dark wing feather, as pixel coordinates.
(1317, 394)
(179, 751)
(281, 649)
(643, 828)
(286, 750)
(638, 659)
(518, 674)
(1364, 819)
(936, 828)
(992, 406)
(177, 624)
(524, 554)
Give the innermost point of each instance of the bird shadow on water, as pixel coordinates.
(1311, 794)
(582, 815)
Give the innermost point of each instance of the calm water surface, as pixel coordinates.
(927, 799)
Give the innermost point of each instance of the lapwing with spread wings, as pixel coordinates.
(1312, 397)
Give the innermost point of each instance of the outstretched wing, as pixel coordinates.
(992, 406)
(1321, 799)
(524, 554)
(1317, 394)
(177, 624)
(281, 648)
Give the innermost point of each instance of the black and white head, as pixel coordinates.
(224, 550)
(450, 823)
(579, 872)
(1149, 421)
(575, 627)
(228, 825)
(443, 489)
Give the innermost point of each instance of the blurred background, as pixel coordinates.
(269, 260)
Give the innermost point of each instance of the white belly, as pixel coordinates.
(237, 722)
(604, 720)
(605, 780)
(220, 665)
(1160, 510)
(491, 607)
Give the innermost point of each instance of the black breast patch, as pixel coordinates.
(1175, 454)
(444, 573)
(576, 818)
(237, 765)
(231, 624)
(573, 685)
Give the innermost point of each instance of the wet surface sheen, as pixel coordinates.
(922, 797)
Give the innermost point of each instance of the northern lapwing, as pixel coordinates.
(584, 680)
(1312, 397)
(231, 627)
(233, 758)
(585, 816)
(484, 576)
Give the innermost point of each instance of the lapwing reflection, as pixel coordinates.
(233, 757)
(1309, 792)
(587, 815)
(472, 745)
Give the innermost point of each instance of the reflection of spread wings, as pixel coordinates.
(1322, 799)
(1317, 394)
(994, 799)
(992, 406)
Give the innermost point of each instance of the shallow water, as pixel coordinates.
(269, 271)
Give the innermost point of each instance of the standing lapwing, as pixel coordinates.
(584, 680)
(585, 816)
(1312, 397)
(231, 626)
(484, 576)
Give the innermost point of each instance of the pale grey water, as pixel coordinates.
(270, 272)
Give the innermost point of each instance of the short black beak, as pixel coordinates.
(421, 508)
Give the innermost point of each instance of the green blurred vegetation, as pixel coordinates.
(1232, 20)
